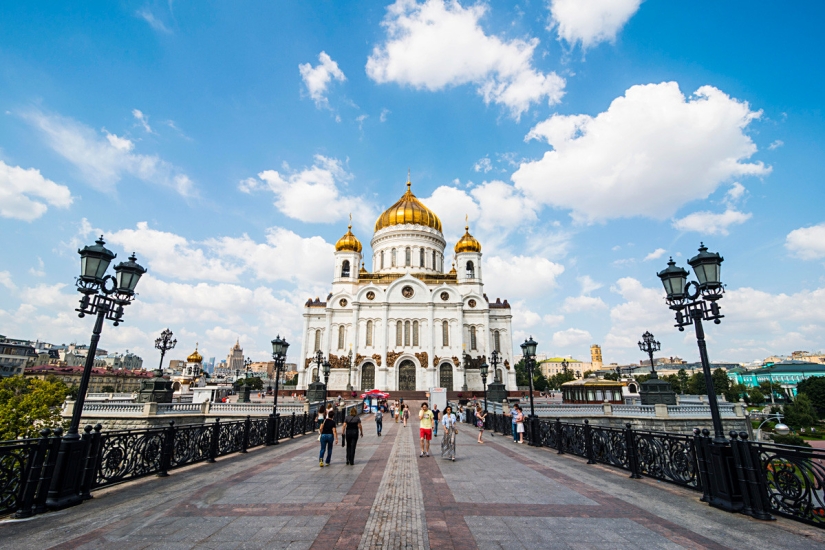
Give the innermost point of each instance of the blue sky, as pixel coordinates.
(227, 144)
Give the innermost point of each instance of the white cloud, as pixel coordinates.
(710, 223)
(19, 189)
(571, 337)
(153, 21)
(807, 243)
(650, 153)
(483, 165)
(588, 284)
(520, 277)
(142, 119)
(6, 281)
(40, 271)
(104, 161)
(317, 79)
(643, 309)
(776, 144)
(312, 194)
(736, 192)
(582, 303)
(655, 255)
(438, 44)
(592, 21)
(384, 114)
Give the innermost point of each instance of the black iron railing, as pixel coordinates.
(771, 479)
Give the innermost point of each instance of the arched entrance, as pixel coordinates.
(406, 376)
(367, 377)
(445, 376)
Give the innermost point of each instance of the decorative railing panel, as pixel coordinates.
(128, 455)
(257, 433)
(191, 444)
(794, 480)
(230, 438)
(573, 439)
(15, 459)
(668, 457)
(610, 447)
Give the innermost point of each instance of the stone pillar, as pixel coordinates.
(661, 410)
(302, 371)
(381, 376)
(431, 345)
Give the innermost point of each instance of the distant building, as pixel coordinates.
(785, 375)
(234, 361)
(176, 365)
(15, 356)
(596, 356)
(101, 380)
(128, 361)
(553, 366)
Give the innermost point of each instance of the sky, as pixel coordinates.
(226, 144)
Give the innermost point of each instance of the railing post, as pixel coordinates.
(213, 443)
(588, 442)
(700, 439)
(245, 440)
(270, 430)
(277, 429)
(48, 471)
(736, 452)
(292, 426)
(168, 449)
(632, 454)
(535, 432)
(304, 424)
(559, 436)
(90, 468)
(37, 458)
(760, 505)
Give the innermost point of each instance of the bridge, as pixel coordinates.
(494, 496)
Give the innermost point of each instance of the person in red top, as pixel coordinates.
(426, 418)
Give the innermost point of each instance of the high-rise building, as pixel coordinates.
(596, 356)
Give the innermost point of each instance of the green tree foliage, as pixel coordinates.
(587, 373)
(735, 392)
(254, 383)
(814, 388)
(800, 412)
(557, 380)
(683, 377)
(108, 389)
(292, 381)
(640, 378)
(27, 405)
(675, 382)
(755, 397)
(539, 381)
(696, 383)
(611, 376)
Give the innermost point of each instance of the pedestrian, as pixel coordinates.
(379, 420)
(396, 411)
(425, 429)
(353, 427)
(319, 419)
(329, 436)
(480, 418)
(461, 414)
(450, 423)
(513, 415)
(436, 414)
(406, 414)
(520, 424)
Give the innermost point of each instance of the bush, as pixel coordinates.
(789, 439)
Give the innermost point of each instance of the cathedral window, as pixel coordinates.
(398, 341)
(408, 256)
(415, 334)
(473, 338)
(369, 333)
(382, 259)
(345, 268)
(406, 333)
(421, 257)
(317, 339)
(341, 337)
(496, 341)
(392, 258)
(434, 264)
(445, 334)
(471, 272)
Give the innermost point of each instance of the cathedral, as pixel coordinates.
(407, 325)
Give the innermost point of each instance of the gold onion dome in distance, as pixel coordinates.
(348, 242)
(467, 243)
(195, 357)
(408, 210)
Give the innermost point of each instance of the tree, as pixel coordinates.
(108, 389)
(292, 381)
(641, 378)
(587, 373)
(522, 378)
(611, 376)
(27, 405)
(539, 381)
(755, 397)
(675, 383)
(735, 393)
(814, 388)
(682, 375)
(800, 413)
(557, 380)
(721, 383)
(254, 383)
(696, 384)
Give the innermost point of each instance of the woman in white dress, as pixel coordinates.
(449, 421)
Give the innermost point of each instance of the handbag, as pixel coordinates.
(479, 423)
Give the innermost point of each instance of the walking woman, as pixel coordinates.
(353, 426)
(520, 424)
(406, 415)
(449, 421)
(329, 436)
(480, 418)
(320, 417)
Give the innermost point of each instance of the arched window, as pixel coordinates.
(392, 258)
(445, 334)
(369, 333)
(473, 338)
(408, 256)
(345, 268)
(406, 333)
(314, 375)
(398, 341)
(382, 259)
(434, 264)
(415, 333)
(420, 257)
(341, 337)
(471, 271)
(496, 340)
(317, 340)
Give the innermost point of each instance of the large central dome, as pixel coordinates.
(408, 210)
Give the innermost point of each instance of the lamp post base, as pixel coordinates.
(66, 484)
(723, 490)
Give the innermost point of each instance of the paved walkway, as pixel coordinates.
(495, 496)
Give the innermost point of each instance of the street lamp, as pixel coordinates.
(349, 370)
(564, 365)
(279, 348)
(483, 370)
(164, 344)
(693, 303)
(528, 350)
(649, 345)
(104, 296)
(246, 366)
(466, 358)
(327, 368)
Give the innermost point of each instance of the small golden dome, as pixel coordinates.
(467, 243)
(195, 357)
(348, 242)
(410, 210)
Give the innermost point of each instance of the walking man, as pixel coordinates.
(379, 420)
(436, 413)
(425, 431)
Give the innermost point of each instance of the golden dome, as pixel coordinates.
(410, 210)
(467, 243)
(348, 242)
(195, 357)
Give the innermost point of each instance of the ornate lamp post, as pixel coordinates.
(104, 296)
(648, 345)
(483, 369)
(528, 349)
(693, 303)
(496, 390)
(244, 389)
(349, 370)
(316, 390)
(247, 362)
(466, 358)
(164, 344)
(279, 348)
(327, 368)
